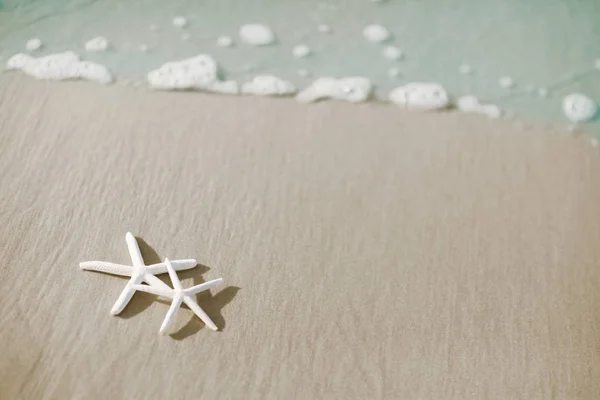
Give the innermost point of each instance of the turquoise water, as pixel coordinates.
(539, 43)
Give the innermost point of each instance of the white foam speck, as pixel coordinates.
(376, 33)
(185, 36)
(394, 72)
(303, 72)
(465, 69)
(96, 45)
(470, 103)
(506, 82)
(144, 48)
(420, 96)
(257, 35)
(579, 108)
(59, 66)
(392, 53)
(198, 72)
(153, 28)
(268, 85)
(180, 22)
(542, 92)
(224, 41)
(301, 51)
(33, 44)
(597, 64)
(323, 28)
(351, 89)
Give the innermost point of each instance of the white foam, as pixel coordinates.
(579, 108)
(199, 72)
(542, 92)
(97, 44)
(180, 22)
(597, 63)
(394, 72)
(323, 28)
(470, 103)
(303, 72)
(465, 69)
(392, 53)
(257, 35)
(33, 44)
(144, 48)
(185, 36)
(506, 82)
(153, 28)
(376, 33)
(268, 85)
(301, 51)
(420, 96)
(351, 89)
(224, 41)
(60, 66)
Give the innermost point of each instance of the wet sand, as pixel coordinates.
(368, 253)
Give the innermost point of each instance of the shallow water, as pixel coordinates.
(539, 43)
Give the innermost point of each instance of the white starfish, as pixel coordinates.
(138, 272)
(179, 295)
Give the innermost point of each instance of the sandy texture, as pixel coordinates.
(368, 253)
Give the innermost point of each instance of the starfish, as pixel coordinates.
(179, 295)
(139, 272)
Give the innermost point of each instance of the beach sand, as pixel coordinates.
(367, 252)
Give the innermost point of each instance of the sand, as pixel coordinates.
(368, 253)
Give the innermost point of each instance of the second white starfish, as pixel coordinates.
(139, 272)
(179, 295)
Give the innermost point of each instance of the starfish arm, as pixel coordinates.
(153, 290)
(125, 296)
(170, 314)
(173, 275)
(106, 267)
(203, 286)
(157, 283)
(178, 265)
(200, 312)
(134, 250)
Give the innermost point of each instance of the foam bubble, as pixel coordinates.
(303, 72)
(185, 36)
(257, 35)
(224, 41)
(394, 72)
(180, 22)
(198, 72)
(470, 103)
(542, 92)
(323, 28)
(506, 82)
(268, 85)
(60, 66)
(597, 63)
(465, 69)
(351, 89)
(33, 44)
(301, 51)
(420, 96)
(144, 48)
(376, 33)
(392, 53)
(96, 45)
(579, 108)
